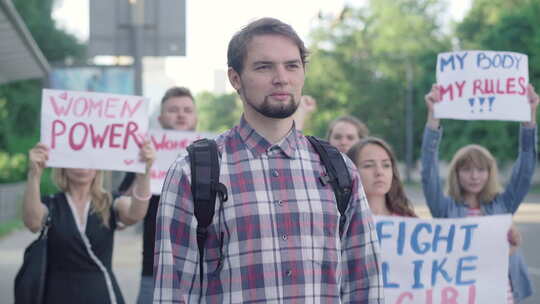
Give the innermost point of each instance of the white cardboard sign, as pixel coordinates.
(93, 130)
(442, 261)
(168, 144)
(483, 85)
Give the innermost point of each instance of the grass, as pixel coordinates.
(8, 226)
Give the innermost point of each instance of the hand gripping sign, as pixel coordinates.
(483, 85)
(93, 130)
(444, 261)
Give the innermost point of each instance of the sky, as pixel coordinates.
(210, 25)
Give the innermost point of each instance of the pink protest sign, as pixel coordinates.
(483, 85)
(169, 145)
(93, 130)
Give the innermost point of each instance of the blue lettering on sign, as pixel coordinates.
(497, 60)
(451, 60)
(424, 237)
(385, 273)
(401, 238)
(461, 267)
(417, 273)
(469, 229)
(379, 227)
(449, 239)
(415, 243)
(438, 267)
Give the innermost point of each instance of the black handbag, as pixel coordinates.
(30, 280)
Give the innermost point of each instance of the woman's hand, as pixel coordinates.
(132, 210)
(533, 99)
(38, 157)
(147, 155)
(431, 98)
(514, 238)
(33, 209)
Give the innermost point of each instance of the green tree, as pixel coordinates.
(55, 43)
(501, 25)
(217, 113)
(20, 101)
(360, 62)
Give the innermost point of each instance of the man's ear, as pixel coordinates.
(234, 79)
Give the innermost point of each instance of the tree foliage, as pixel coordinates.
(55, 43)
(359, 65)
(20, 101)
(360, 61)
(217, 113)
(503, 25)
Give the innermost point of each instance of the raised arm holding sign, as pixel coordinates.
(82, 219)
(472, 184)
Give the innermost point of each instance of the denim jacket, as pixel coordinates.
(508, 201)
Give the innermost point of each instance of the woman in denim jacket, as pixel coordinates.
(473, 187)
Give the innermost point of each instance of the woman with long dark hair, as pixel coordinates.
(380, 177)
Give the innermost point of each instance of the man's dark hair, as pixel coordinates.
(237, 50)
(177, 92)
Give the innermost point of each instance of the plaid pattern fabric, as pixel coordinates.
(279, 231)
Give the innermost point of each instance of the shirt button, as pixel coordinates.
(289, 273)
(284, 237)
(279, 202)
(275, 173)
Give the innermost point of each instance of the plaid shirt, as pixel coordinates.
(279, 228)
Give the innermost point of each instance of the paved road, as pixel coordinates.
(127, 255)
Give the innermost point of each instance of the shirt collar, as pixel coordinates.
(258, 145)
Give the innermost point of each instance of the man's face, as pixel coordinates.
(344, 135)
(272, 79)
(178, 113)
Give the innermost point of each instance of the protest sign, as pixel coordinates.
(483, 85)
(168, 144)
(93, 130)
(444, 261)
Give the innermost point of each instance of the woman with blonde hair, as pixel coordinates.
(472, 185)
(466, 158)
(378, 170)
(345, 131)
(83, 218)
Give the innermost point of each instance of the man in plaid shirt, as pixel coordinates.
(276, 239)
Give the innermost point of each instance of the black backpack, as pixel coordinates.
(205, 185)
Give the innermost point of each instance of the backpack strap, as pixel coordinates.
(205, 185)
(337, 175)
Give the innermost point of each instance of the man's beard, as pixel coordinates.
(282, 110)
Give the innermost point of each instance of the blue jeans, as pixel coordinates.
(146, 290)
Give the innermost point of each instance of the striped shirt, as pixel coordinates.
(279, 230)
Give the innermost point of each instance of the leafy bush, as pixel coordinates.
(12, 167)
